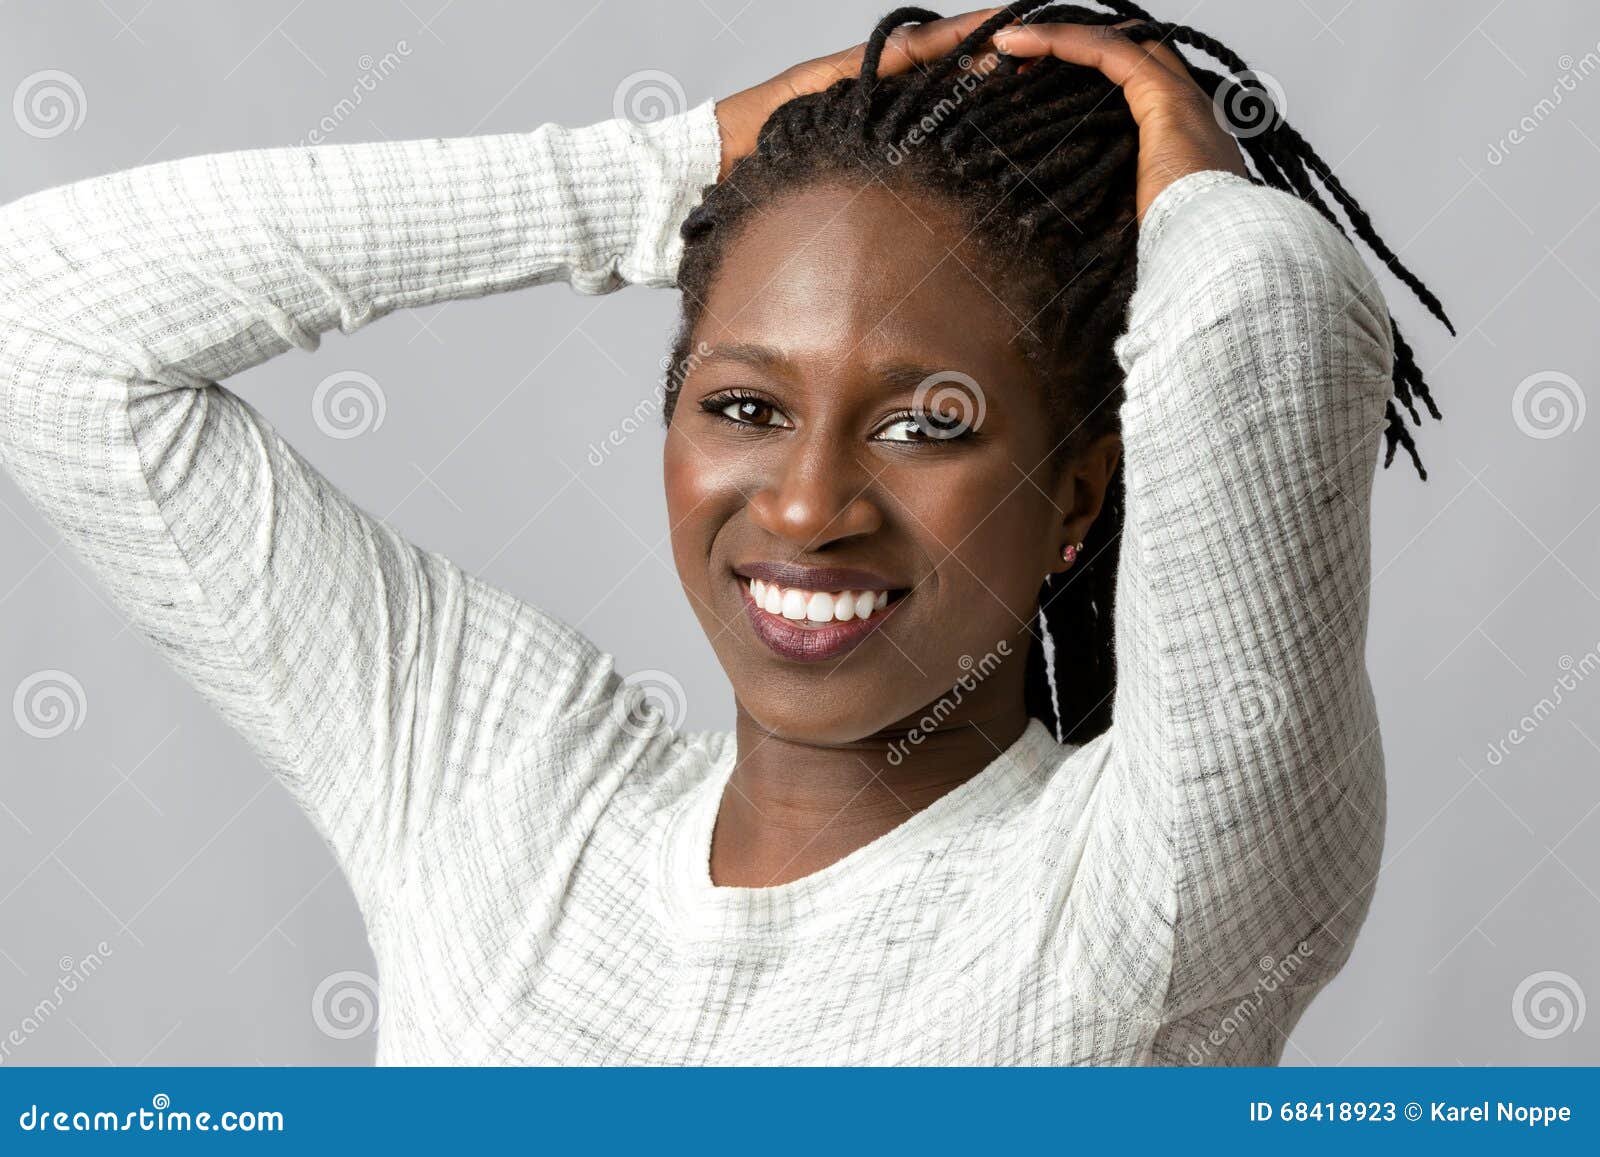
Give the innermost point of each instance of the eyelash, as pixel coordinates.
(717, 403)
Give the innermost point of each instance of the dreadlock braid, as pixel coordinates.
(1037, 161)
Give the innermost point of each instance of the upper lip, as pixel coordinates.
(815, 578)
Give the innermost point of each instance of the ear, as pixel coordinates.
(1080, 492)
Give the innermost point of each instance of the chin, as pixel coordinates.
(798, 722)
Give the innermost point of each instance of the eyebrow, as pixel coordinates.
(893, 376)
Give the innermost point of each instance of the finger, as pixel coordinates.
(1169, 57)
(1144, 74)
(912, 44)
(1157, 48)
(906, 46)
(1097, 46)
(919, 44)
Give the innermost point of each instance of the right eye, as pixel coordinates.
(745, 410)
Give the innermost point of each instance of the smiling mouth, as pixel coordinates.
(808, 625)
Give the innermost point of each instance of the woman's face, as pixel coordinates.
(796, 456)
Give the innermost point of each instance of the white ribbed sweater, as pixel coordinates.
(533, 872)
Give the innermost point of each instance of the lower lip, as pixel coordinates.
(809, 644)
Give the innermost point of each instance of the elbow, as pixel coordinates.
(1268, 284)
(29, 255)
(1269, 267)
(1326, 282)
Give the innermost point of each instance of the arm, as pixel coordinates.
(1239, 823)
(1259, 362)
(373, 677)
(369, 675)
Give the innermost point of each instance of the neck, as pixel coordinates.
(792, 808)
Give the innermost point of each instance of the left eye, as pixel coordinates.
(752, 412)
(923, 428)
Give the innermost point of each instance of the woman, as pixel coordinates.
(909, 463)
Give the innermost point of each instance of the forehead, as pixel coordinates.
(835, 272)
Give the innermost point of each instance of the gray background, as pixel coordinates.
(229, 935)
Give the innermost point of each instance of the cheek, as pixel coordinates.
(683, 482)
(702, 493)
(990, 529)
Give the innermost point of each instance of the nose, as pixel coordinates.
(819, 493)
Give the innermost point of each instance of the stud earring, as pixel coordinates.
(1069, 553)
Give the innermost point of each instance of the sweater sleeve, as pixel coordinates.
(368, 674)
(1258, 363)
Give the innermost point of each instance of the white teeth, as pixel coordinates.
(819, 608)
(816, 606)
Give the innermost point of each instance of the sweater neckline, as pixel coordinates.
(720, 912)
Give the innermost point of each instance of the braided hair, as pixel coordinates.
(1037, 161)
